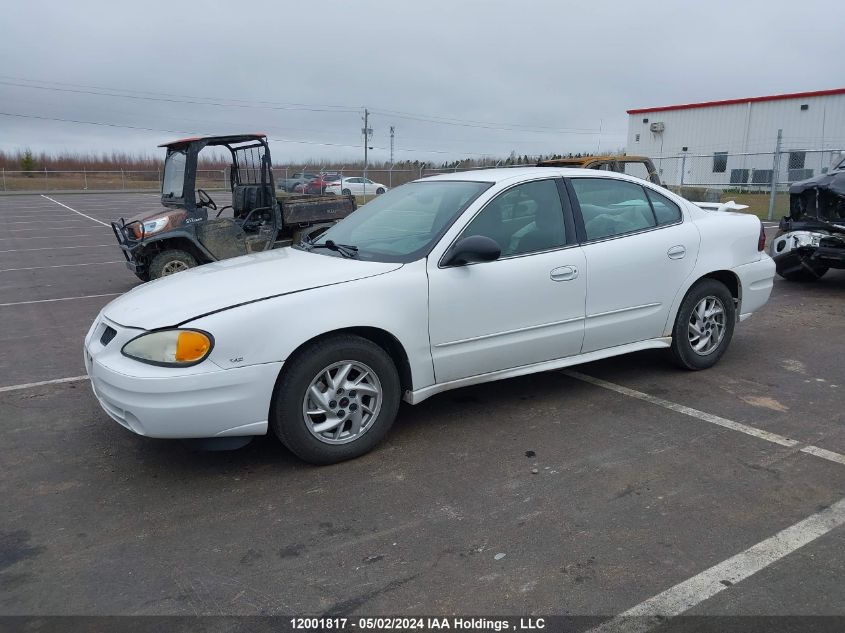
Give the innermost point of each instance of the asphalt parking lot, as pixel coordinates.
(647, 477)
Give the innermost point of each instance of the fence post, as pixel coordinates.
(46, 187)
(158, 172)
(85, 176)
(223, 173)
(4, 179)
(122, 179)
(683, 169)
(775, 168)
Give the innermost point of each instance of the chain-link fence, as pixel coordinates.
(747, 178)
(86, 180)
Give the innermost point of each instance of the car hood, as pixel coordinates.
(228, 283)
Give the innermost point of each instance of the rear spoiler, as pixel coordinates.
(730, 205)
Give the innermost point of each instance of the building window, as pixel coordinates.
(720, 162)
(796, 160)
(645, 120)
(739, 176)
(637, 138)
(761, 176)
(805, 106)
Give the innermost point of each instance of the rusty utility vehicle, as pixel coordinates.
(190, 229)
(640, 166)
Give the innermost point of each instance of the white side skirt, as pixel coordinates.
(415, 397)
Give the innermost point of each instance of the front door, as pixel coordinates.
(524, 308)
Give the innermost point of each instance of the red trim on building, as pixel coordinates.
(709, 104)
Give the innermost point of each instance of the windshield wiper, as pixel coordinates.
(345, 250)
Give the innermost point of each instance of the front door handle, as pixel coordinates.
(677, 252)
(564, 273)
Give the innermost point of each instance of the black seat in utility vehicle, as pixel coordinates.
(246, 198)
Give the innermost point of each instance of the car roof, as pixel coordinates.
(502, 174)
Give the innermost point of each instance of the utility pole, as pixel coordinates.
(367, 132)
(392, 133)
(775, 169)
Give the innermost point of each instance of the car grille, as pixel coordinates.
(108, 334)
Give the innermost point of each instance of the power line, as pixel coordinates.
(279, 140)
(272, 105)
(175, 100)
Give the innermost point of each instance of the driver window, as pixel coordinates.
(524, 219)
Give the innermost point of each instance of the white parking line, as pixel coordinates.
(23, 303)
(30, 385)
(689, 593)
(51, 237)
(53, 248)
(695, 413)
(809, 449)
(74, 210)
(11, 270)
(42, 221)
(51, 228)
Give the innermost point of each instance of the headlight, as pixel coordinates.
(155, 225)
(170, 348)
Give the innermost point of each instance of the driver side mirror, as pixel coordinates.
(472, 249)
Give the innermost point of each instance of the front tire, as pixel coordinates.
(171, 262)
(704, 325)
(335, 400)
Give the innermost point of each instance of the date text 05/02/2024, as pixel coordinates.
(418, 623)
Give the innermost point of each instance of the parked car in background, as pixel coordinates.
(298, 183)
(319, 184)
(448, 281)
(811, 239)
(357, 186)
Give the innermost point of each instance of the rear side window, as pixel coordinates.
(666, 211)
(612, 207)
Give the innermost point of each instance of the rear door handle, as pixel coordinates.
(564, 273)
(676, 252)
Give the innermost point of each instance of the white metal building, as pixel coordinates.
(732, 142)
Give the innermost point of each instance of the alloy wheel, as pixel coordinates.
(342, 402)
(706, 326)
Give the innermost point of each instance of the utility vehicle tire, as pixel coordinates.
(144, 276)
(805, 275)
(379, 191)
(704, 325)
(346, 192)
(335, 399)
(171, 262)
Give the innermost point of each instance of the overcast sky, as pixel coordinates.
(456, 78)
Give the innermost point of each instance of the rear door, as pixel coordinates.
(639, 249)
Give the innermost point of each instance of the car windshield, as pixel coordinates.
(403, 224)
(174, 175)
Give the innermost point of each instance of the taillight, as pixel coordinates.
(761, 241)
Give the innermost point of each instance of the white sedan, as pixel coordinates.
(445, 282)
(357, 187)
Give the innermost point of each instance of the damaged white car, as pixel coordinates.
(445, 282)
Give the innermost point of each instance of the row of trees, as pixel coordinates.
(26, 160)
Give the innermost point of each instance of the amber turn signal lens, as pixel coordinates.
(191, 346)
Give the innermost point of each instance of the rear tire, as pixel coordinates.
(379, 191)
(346, 192)
(704, 325)
(171, 262)
(144, 276)
(357, 419)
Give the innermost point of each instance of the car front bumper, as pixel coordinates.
(196, 402)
